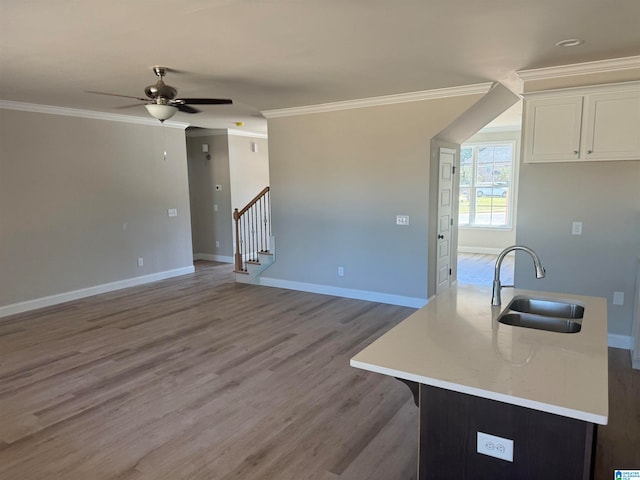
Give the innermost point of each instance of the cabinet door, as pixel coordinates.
(612, 126)
(552, 129)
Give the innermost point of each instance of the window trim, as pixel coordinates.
(513, 186)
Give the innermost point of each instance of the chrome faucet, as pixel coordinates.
(497, 286)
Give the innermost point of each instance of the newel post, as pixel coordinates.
(236, 217)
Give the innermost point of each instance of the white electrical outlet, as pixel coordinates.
(341, 271)
(140, 262)
(217, 243)
(172, 212)
(402, 219)
(493, 446)
(618, 298)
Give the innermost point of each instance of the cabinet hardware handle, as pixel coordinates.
(576, 152)
(441, 237)
(589, 151)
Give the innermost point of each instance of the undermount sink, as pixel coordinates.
(552, 308)
(540, 322)
(549, 315)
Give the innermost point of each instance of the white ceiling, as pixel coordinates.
(271, 54)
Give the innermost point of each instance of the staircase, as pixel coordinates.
(255, 246)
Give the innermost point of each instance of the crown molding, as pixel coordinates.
(480, 88)
(242, 133)
(75, 112)
(211, 132)
(586, 89)
(599, 66)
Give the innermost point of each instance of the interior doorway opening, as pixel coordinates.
(487, 203)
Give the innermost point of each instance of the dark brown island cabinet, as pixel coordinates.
(544, 445)
(501, 394)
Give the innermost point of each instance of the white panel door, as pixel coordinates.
(445, 219)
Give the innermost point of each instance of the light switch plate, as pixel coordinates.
(618, 298)
(576, 228)
(172, 212)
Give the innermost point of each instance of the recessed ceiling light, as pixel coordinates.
(570, 42)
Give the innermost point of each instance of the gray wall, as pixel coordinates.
(338, 181)
(208, 225)
(605, 196)
(249, 170)
(82, 199)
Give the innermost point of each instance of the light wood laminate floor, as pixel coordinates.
(201, 378)
(479, 268)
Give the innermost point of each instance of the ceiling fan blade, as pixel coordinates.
(117, 95)
(186, 108)
(129, 106)
(205, 101)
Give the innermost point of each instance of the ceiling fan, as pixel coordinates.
(161, 101)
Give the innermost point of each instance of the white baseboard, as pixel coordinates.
(619, 341)
(482, 250)
(90, 291)
(212, 257)
(614, 340)
(390, 299)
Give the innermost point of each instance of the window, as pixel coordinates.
(486, 185)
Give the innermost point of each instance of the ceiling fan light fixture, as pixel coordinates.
(160, 111)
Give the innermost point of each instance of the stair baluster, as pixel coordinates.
(253, 230)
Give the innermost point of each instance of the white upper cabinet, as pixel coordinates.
(583, 124)
(612, 126)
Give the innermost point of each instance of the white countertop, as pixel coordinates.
(456, 343)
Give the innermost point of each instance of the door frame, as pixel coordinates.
(445, 223)
(434, 168)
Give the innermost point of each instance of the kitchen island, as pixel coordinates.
(545, 391)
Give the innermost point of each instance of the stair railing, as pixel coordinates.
(253, 230)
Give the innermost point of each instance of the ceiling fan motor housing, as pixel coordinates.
(160, 89)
